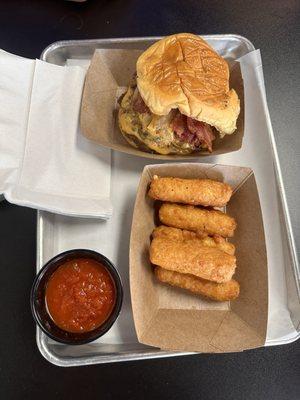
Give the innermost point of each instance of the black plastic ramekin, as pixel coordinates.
(38, 298)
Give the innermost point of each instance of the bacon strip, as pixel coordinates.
(202, 131)
(138, 103)
(193, 131)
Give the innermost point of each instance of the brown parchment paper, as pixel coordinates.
(173, 319)
(108, 76)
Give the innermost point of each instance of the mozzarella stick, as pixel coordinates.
(197, 219)
(184, 256)
(215, 291)
(205, 192)
(182, 234)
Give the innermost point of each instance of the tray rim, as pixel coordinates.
(82, 42)
(279, 180)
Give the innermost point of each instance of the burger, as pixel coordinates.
(179, 100)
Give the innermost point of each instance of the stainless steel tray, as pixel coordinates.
(58, 233)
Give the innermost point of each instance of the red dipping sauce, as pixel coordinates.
(80, 295)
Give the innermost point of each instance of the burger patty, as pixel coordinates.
(174, 133)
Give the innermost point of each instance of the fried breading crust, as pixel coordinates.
(205, 192)
(197, 219)
(215, 291)
(173, 233)
(184, 256)
(182, 234)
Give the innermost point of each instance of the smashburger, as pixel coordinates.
(179, 101)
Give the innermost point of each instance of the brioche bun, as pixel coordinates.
(182, 71)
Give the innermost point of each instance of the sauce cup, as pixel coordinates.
(39, 305)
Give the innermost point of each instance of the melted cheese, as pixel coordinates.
(153, 130)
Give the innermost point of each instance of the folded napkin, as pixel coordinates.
(45, 162)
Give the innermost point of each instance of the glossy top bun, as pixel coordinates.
(182, 71)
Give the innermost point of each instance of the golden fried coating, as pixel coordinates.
(215, 291)
(182, 234)
(205, 192)
(173, 233)
(197, 219)
(221, 244)
(184, 256)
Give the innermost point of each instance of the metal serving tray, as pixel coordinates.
(56, 233)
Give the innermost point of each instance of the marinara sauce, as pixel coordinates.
(80, 295)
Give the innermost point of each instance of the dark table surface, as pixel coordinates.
(26, 28)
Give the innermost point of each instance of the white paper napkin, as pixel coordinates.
(45, 162)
